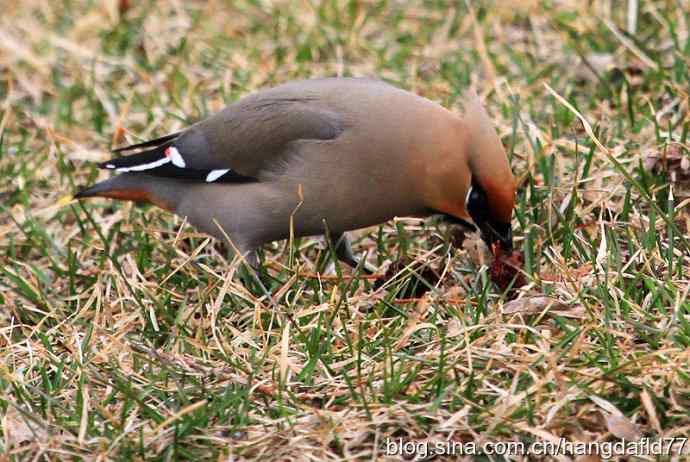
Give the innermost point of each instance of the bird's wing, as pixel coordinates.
(237, 144)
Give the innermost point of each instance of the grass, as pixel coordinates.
(125, 334)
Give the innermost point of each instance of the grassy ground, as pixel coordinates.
(124, 335)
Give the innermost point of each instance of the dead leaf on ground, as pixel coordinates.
(595, 67)
(418, 285)
(454, 328)
(621, 427)
(18, 430)
(671, 160)
(537, 305)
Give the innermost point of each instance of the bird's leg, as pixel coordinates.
(252, 260)
(343, 250)
(251, 271)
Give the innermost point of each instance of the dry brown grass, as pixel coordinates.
(127, 335)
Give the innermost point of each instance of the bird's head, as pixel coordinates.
(488, 185)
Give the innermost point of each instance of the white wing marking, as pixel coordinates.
(213, 175)
(142, 167)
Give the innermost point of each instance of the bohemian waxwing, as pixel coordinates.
(337, 153)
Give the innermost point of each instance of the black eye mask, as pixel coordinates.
(477, 204)
(492, 230)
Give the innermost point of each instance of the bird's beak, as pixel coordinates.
(497, 232)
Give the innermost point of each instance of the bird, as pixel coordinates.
(323, 157)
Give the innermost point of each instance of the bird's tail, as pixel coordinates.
(137, 188)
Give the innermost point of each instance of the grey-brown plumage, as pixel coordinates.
(347, 152)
